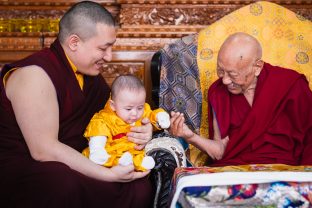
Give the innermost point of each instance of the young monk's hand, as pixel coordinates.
(126, 173)
(140, 135)
(177, 126)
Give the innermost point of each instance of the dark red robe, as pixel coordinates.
(276, 129)
(25, 182)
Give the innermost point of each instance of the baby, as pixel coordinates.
(107, 130)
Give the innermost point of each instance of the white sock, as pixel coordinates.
(148, 162)
(125, 159)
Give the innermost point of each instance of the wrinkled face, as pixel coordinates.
(129, 104)
(92, 53)
(237, 77)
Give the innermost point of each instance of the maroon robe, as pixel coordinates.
(25, 182)
(276, 129)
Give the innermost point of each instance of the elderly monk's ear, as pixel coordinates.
(112, 105)
(259, 65)
(73, 41)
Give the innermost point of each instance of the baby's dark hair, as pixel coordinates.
(128, 81)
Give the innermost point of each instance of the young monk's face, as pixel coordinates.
(94, 52)
(129, 104)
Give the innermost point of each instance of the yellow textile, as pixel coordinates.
(284, 36)
(79, 76)
(107, 123)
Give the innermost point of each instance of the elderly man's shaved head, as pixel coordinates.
(239, 63)
(240, 47)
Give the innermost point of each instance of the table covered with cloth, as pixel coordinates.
(243, 186)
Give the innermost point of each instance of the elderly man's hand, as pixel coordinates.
(178, 128)
(141, 134)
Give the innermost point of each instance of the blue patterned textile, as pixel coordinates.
(179, 80)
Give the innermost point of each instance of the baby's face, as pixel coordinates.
(129, 105)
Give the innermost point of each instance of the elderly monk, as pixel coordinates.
(264, 111)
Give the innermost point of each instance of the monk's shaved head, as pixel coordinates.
(239, 63)
(240, 48)
(82, 18)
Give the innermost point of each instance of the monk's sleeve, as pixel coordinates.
(307, 156)
(305, 116)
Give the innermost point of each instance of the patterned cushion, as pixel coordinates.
(180, 86)
(179, 80)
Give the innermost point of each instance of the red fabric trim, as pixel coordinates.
(118, 136)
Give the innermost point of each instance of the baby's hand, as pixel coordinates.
(163, 120)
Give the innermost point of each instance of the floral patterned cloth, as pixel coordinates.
(246, 185)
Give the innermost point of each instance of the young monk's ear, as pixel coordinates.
(112, 105)
(259, 66)
(73, 41)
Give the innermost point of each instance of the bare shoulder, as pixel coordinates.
(27, 79)
(26, 74)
